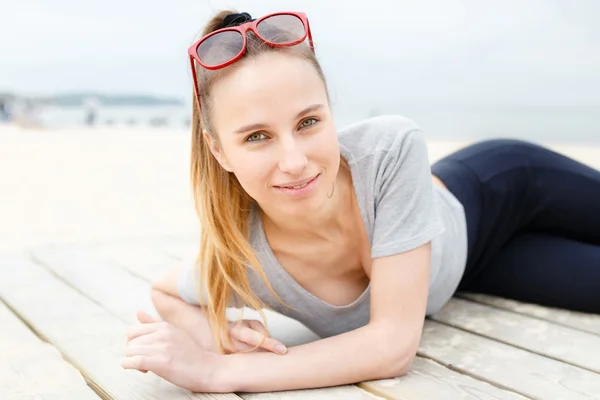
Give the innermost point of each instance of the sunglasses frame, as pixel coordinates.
(243, 29)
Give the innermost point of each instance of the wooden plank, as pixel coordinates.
(85, 333)
(147, 260)
(30, 367)
(107, 283)
(427, 376)
(110, 286)
(181, 250)
(578, 320)
(536, 335)
(506, 366)
(428, 380)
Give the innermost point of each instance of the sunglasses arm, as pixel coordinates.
(310, 39)
(197, 95)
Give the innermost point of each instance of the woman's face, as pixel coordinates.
(276, 132)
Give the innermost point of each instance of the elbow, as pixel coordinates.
(159, 300)
(156, 295)
(396, 357)
(395, 364)
(400, 365)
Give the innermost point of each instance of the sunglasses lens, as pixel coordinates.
(220, 48)
(281, 29)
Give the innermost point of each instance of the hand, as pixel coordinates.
(247, 334)
(170, 353)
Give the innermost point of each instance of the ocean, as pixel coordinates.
(541, 124)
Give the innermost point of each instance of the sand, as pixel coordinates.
(80, 185)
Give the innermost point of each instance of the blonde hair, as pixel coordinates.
(222, 204)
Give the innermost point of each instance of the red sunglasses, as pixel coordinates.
(225, 46)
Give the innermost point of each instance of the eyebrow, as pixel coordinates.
(307, 110)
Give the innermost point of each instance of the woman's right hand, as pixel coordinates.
(248, 333)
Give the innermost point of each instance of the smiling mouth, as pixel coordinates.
(300, 186)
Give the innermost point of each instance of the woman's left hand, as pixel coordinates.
(170, 353)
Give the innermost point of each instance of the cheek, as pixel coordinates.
(326, 148)
(252, 171)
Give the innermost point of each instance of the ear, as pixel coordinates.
(216, 151)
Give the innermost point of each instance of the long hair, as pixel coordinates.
(222, 204)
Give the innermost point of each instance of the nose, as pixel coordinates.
(292, 159)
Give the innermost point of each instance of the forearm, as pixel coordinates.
(356, 356)
(187, 317)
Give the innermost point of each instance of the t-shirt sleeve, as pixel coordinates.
(405, 214)
(188, 284)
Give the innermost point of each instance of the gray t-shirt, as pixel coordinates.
(401, 208)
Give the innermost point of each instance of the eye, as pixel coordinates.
(255, 137)
(308, 122)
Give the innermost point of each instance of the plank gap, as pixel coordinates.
(98, 390)
(29, 326)
(130, 272)
(30, 255)
(466, 296)
(515, 345)
(172, 255)
(474, 376)
(374, 391)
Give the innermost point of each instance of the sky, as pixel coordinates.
(513, 52)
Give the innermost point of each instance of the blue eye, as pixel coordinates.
(308, 122)
(255, 137)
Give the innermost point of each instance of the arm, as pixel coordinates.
(188, 317)
(192, 319)
(383, 348)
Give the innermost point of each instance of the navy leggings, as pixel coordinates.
(533, 221)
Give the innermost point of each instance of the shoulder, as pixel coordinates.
(379, 134)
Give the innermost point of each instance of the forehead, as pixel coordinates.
(266, 89)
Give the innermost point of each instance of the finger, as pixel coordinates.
(237, 346)
(258, 326)
(254, 338)
(144, 340)
(146, 318)
(274, 345)
(143, 329)
(141, 363)
(139, 350)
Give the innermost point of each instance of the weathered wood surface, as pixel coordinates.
(542, 337)
(581, 321)
(506, 366)
(89, 327)
(30, 366)
(89, 336)
(470, 350)
(106, 265)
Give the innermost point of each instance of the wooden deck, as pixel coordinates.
(64, 310)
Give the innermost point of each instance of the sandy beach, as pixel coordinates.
(80, 185)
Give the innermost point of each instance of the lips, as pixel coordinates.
(298, 184)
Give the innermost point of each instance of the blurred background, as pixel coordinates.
(95, 96)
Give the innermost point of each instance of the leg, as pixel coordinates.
(510, 186)
(545, 269)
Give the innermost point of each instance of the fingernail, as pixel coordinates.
(280, 349)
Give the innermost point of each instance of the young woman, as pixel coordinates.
(347, 232)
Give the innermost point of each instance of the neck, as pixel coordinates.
(328, 222)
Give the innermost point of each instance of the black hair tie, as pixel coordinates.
(236, 19)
